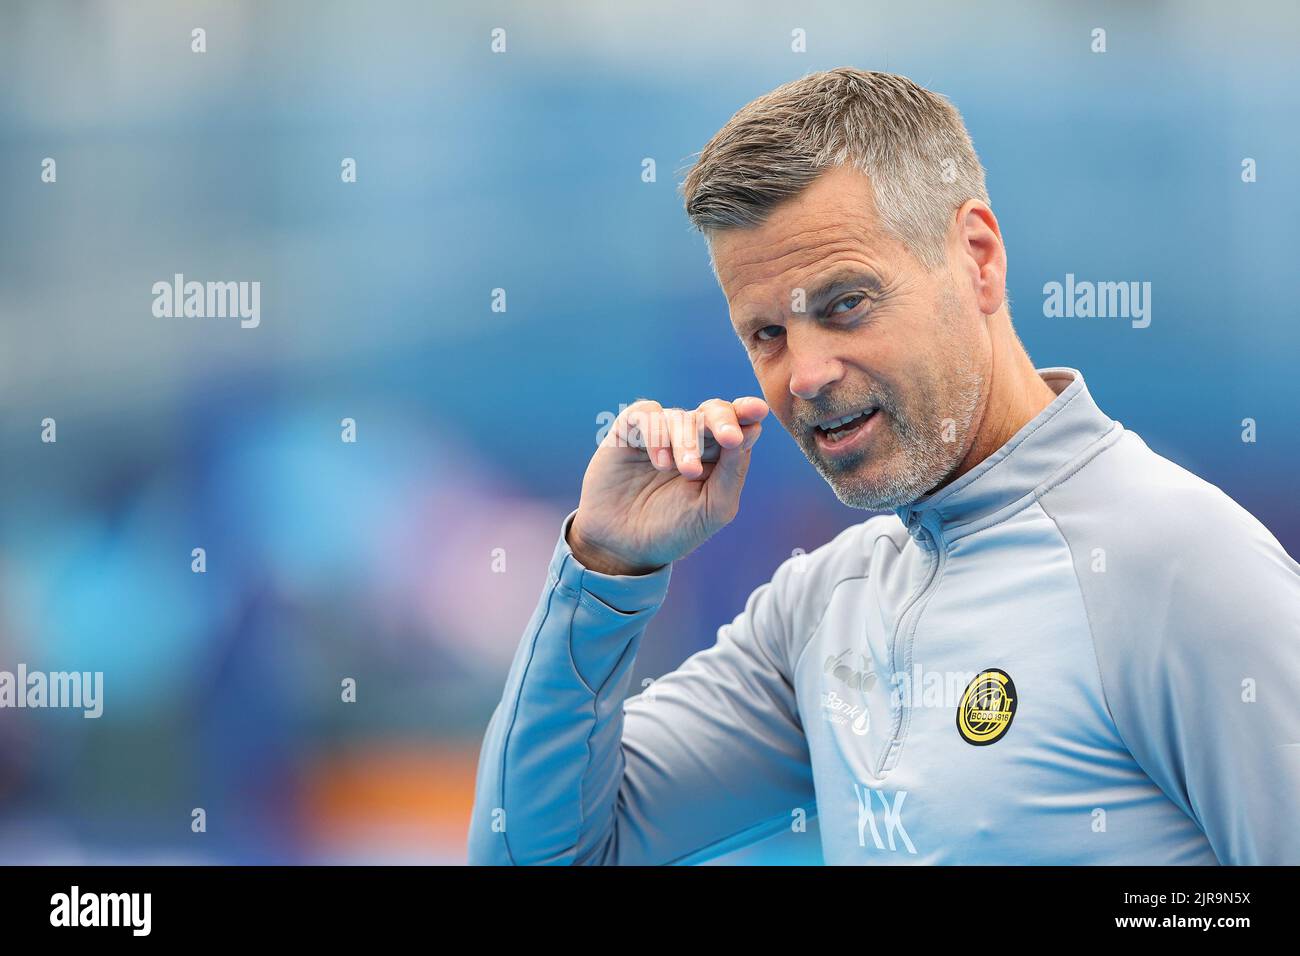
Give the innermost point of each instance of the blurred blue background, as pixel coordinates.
(522, 171)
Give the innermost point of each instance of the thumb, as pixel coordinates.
(728, 476)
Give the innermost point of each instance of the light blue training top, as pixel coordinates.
(1078, 652)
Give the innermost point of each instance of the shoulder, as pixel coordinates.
(1167, 560)
(1158, 511)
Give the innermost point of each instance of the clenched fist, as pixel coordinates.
(662, 482)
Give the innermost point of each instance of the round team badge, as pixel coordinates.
(987, 707)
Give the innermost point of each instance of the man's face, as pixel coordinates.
(838, 320)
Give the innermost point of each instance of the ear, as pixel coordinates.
(979, 256)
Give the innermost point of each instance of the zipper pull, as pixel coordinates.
(919, 531)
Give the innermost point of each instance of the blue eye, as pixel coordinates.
(763, 337)
(850, 300)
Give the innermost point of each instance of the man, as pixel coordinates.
(1060, 647)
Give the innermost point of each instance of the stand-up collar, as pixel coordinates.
(1044, 446)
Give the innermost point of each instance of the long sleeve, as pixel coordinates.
(708, 758)
(1220, 722)
(1199, 653)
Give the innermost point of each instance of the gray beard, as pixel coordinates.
(922, 459)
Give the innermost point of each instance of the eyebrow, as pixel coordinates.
(840, 281)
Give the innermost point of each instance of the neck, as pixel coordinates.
(1016, 395)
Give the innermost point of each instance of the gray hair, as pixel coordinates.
(910, 142)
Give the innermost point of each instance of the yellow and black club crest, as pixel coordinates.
(987, 707)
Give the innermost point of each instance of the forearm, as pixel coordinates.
(551, 763)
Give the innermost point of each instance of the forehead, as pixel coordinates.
(833, 222)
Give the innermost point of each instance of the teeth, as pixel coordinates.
(845, 420)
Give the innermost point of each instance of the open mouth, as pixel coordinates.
(838, 429)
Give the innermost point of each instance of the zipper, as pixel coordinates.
(906, 623)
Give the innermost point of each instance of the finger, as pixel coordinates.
(712, 450)
(750, 409)
(719, 418)
(683, 429)
(728, 476)
(652, 426)
(641, 427)
(626, 432)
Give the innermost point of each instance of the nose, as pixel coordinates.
(812, 366)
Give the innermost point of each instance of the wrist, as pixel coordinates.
(601, 560)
